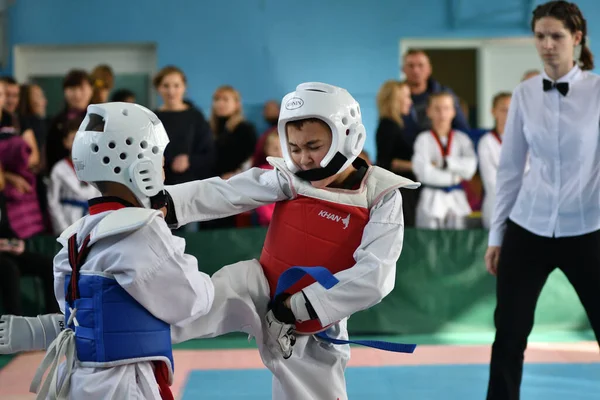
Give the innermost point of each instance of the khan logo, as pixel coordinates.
(294, 103)
(336, 218)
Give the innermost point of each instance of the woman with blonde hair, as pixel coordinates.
(32, 109)
(103, 80)
(394, 142)
(235, 138)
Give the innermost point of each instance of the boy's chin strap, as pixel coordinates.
(337, 162)
(317, 174)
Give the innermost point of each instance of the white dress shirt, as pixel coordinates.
(560, 194)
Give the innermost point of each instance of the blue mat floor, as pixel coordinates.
(439, 382)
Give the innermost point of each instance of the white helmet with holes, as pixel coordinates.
(334, 106)
(123, 143)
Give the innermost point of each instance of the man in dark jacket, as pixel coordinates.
(417, 68)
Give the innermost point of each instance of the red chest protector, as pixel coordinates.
(311, 232)
(321, 227)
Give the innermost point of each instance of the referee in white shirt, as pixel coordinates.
(548, 217)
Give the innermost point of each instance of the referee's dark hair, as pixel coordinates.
(572, 18)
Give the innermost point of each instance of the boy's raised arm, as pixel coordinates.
(215, 198)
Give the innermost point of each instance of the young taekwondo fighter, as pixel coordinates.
(111, 274)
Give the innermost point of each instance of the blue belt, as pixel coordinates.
(76, 203)
(326, 279)
(446, 189)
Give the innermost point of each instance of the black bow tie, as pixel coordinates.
(562, 87)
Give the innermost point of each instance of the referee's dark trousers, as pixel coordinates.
(526, 261)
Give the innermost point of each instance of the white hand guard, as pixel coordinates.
(29, 333)
(282, 334)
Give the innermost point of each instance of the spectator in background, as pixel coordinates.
(271, 116)
(394, 143)
(12, 90)
(190, 154)
(123, 95)
(12, 94)
(530, 74)
(417, 68)
(473, 188)
(488, 151)
(234, 136)
(32, 109)
(20, 125)
(103, 80)
(15, 261)
(67, 195)
(271, 148)
(22, 204)
(77, 89)
(7, 126)
(235, 141)
(9, 134)
(443, 158)
(271, 113)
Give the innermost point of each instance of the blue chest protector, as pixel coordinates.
(112, 327)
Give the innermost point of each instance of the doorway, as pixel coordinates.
(462, 79)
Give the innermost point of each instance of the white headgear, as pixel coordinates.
(126, 147)
(334, 106)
